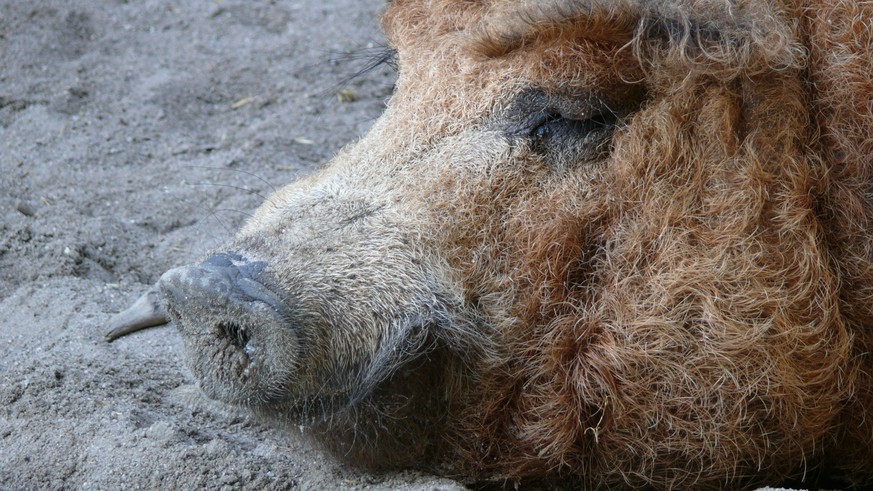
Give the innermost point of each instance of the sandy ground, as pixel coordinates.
(134, 136)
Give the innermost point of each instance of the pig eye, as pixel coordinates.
(547, 129)
(562, 130)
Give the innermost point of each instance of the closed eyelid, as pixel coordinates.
(534, 106)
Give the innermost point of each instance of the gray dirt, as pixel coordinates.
(135, 136)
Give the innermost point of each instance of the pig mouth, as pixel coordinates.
(236, 330)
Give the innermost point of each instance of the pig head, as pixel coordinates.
(584, 240)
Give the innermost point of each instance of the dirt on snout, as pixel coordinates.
(135, 136)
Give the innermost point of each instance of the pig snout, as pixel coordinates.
(239, 335)
(222, 285)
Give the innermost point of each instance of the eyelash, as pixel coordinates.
(541, 129)
(551, 124)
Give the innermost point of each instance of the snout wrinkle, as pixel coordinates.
(222, 283)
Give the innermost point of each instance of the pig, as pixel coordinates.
(591, 243)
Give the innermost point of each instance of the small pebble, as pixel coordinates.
(25, 208)
(347, 95)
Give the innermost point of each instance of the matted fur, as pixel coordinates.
(693, 308)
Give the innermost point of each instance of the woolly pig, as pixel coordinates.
(601, 243)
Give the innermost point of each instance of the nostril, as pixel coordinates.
(238, 335)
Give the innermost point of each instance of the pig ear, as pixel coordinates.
(144, 313)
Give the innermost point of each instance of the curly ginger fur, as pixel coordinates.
(697, 310)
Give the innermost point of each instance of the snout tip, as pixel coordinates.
(230, 322)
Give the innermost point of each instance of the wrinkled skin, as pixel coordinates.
(604, 243)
